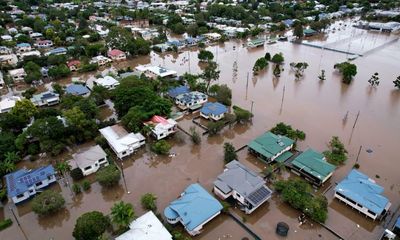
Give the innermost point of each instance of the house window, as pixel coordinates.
(87, 168)
(102, 160)
(31, 190)
(50, 177)
(38, 183)
(20, 195)
(372, 213)
(124, 152)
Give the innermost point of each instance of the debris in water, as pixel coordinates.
(369, 150)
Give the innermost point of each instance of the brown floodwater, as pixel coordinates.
(316, 107)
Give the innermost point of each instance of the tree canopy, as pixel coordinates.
(348, 71)
(90, 226)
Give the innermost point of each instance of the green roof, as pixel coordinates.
(313, 163)
(309, 31)
(284, 156)
(270, 144)
(257, 41)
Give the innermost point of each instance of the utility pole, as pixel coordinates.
(19, 224)
(358, 155)
(355, 122)
(251, 109)
(123, 177)
(247, 84)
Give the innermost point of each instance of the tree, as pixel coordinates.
(192, 30)
(299, 195)
(76, 174)
(47, 202)
(215, 127)
(337, 154)
(348, 71)
(122, 214)
(63, 167)
(397, 82)
(205, 56)
(222, 93)
(298, 31)
(299, 68)
(161, 147)
(196, 139)
(24, 109)
(108, 176)
(59, 71)
(211, 73)
(90, 226)
(12, 157)
(33, 72)
(229, 153)
(148, 201)
(7, 166)
(374, 80)
(6, 143)
(267, 56)
(241, 114)
(287, 130)
(278, 58)
(322, 75)
(260, 64)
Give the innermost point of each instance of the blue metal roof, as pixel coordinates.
(194, 207)
(20, 181)
(58, 50)
(23, 45)
(77, 89)
(214, 108)
(361, 189)
(173, 92)
(191, 97)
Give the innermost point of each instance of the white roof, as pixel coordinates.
(18, 71)
(119, 138)
(8, 103)
(159, 71)
(163, 127)
(107, 81)
(146, 227)
(87, 157)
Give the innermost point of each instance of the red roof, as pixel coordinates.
(115, 52)
(73, 63)
(159, 119)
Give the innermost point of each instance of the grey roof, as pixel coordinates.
(244, 181)
(87, 157)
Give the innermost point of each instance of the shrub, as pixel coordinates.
(229, 153)
(86, 185)
(76, 188)
(47, 202)
(108, 176)
(76, 174)
(215, 127)
(5, 223)
(3, 194)
(348, 71)
(277, 58)
(196, 139)
(148, 201)
(299, 195)
(336, 154)
(287, 130)
(241, 114)
(161, 147)
(90, 226)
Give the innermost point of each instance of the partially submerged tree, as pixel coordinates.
(47, 202)
(348, 71)
(259, 65)
(222, 93)
(287, 130)
(196, 138)
(161, 147)
(148, 201)
(211, 73)
(278, 58)
(205, 56)
(322, 76)
(337, 153)
(299, 68)
(397, 82)
(122, 214)
(90, 226)
(229, 153)
(241, 114)
(108, 176)
(215, 127)
(374, 80)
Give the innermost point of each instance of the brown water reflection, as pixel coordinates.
(316, 107)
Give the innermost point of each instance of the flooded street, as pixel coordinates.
(314, 106)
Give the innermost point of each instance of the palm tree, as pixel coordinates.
(12, 156)
(7, 166)
(63, 167)
(122, 214)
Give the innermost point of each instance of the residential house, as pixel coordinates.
(122, 143)
(28, 54)
(213, 110)
(363, 194)
(6, 38)
(74, 65)
(35, 35)
(270, 147)
(57, 51)
(309, 32)
(18, 74)
(5, 50)
(45, 99)
(23, 183)
(107, 82)
(155, 71)
(77, 89)
(44, 44)
(116, 55)
(89, 160)
(173, 92)
(212, 36)
(100, 60)
(10, 59)
(243, 185)
(8, 103)
(313, 166)
(146, 227)
(161, 127)
(192, 100)
(255, 43)
(193, 209)
(23, 47)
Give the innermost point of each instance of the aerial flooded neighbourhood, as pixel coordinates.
(203, 120)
